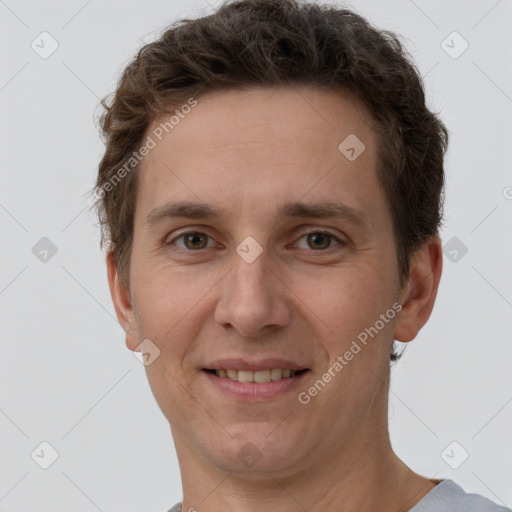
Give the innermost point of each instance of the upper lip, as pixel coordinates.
(255, 366)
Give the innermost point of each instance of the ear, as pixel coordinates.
(122, 303)
(419, 293)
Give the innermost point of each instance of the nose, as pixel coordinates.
(253, 298)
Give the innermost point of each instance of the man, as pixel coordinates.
(271, 196)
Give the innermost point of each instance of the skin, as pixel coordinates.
(247, 152)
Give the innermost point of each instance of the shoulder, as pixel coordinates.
(447, 496)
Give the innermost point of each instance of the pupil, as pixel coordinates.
(193, 238)
(315, 237)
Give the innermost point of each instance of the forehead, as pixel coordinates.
(266, 116)
(276, 143)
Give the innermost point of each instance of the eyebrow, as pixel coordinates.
(298, 209)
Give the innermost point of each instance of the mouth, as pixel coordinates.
(253, 382)
(260, 376)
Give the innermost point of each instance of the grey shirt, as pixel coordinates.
(446, 496)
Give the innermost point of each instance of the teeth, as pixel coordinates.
(276, 374)
(262, 376)
(259, 376)
(245, 376)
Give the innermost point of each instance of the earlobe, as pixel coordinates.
(419, 293)
(122, 303)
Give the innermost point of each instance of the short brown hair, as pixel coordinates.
(280, 43)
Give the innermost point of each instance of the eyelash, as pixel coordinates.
(315, 232)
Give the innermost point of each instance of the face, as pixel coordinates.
(262, 251)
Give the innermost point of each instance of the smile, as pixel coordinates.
(260, 376)
(249, 386)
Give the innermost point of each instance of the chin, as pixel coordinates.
(254, 449)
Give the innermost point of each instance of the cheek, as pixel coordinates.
(345, 304)
(167, 305)
(343, 300)
(170, 309)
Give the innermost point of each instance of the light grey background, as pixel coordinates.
(66, 376)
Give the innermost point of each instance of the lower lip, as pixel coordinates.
(255, 390)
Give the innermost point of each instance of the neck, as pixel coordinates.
(358, 475)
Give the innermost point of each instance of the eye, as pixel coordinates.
(197, 240)
(192, 240)
(319, 240)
